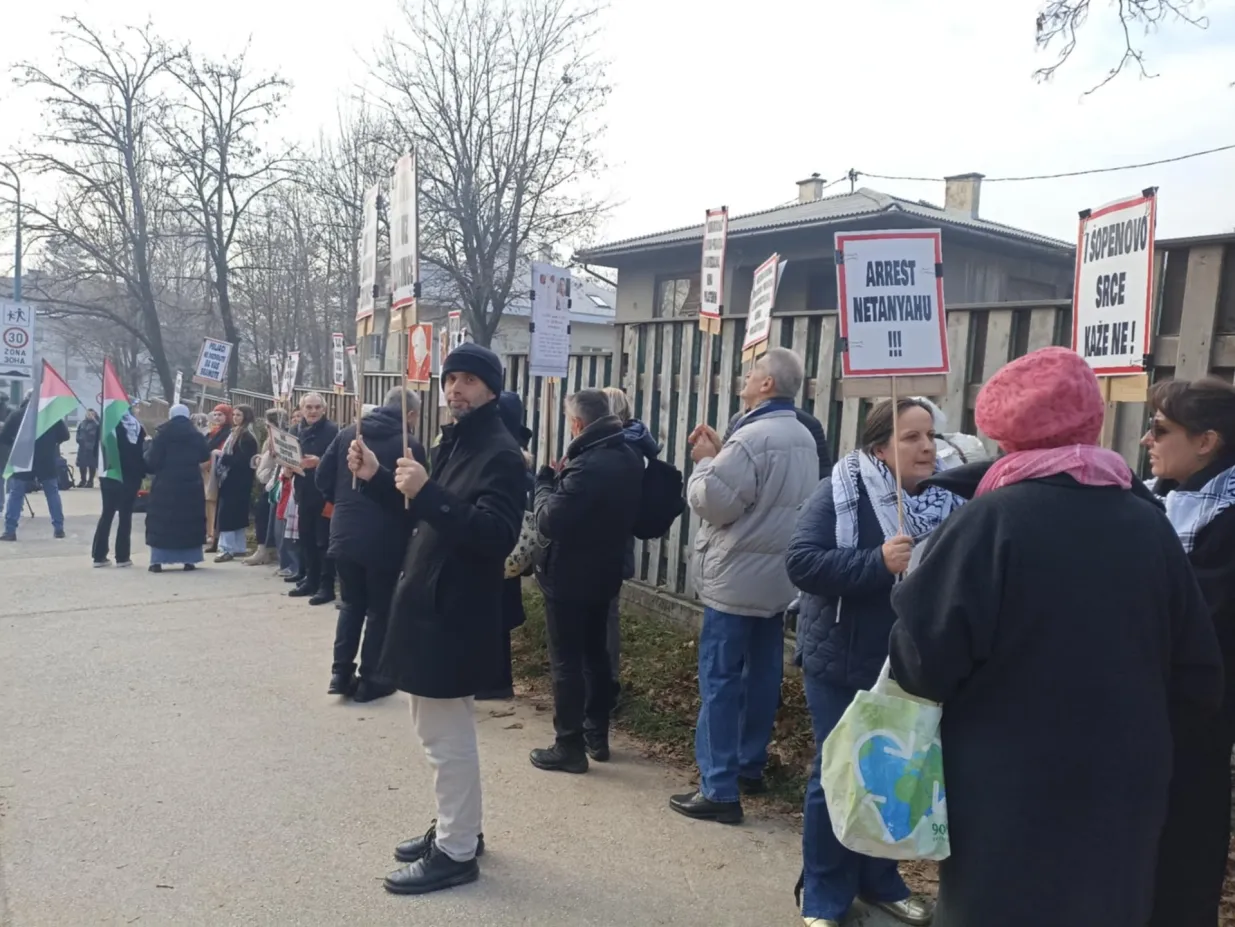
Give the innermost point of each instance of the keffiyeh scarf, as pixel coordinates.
(1190, 511)
(923, 512)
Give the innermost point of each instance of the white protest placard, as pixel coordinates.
(367, 249)
(17, 341)
(549, 346)
(354, 364)
(274, 375)
(403, 233)
(286, 449)
(289, 374)
(1112, 305)
(339, 361)
(443, 348)
(712, 271)
(454, 329)
(212, 362)
(762, 301)
(176, 391)
(891, 309)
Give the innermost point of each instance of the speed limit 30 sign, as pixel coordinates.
(16, 341)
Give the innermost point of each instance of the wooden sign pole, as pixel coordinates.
(403, 397)
(896, 460)
(359, 395)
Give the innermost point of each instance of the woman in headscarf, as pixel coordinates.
(119, 483)
(176, 511)
(1058, 622)
(216, 437)
(233, 465)
(848, 549)
(1191, 443)
(266, 471)
(87, 450)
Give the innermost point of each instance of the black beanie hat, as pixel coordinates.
(478, 361)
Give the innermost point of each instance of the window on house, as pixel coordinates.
(599, 303)
(677, 297)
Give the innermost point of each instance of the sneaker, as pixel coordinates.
(190, 567)
(59, 535)
(431, 873)
(124, 563)
(559, 759)
(411, 850)
(155, 568)
(224, 558)
(914, 910)
(696, 805)
(102, 563)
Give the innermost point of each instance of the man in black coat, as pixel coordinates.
(45, 469)
(443, 643)
(586, 509)
(315, 434)
(367, 542)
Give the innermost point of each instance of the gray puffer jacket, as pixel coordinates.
(748, 498)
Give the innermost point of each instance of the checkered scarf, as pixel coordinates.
(1189, 512)
(923, 512)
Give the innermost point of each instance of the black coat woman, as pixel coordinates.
(119, 483)
(233, 467)
(176, 512)
(1058, 622)
(1191, 443)
(87, 450)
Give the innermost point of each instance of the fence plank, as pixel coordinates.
(724, 393)
(998, 352)
(675, 450)
(825, 372)
(953, 402)
(850, 417)
(1042, 328)
(1196, 329)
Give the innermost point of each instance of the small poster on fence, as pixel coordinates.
(420, 354)
(286, 449)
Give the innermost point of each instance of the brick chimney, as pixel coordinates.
(810, 189)
(963, 193)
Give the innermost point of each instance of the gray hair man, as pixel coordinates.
(746, 491)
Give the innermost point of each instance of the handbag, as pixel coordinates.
(528, 549)
(881, 769)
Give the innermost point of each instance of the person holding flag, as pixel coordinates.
(121, 441)
(37, 436)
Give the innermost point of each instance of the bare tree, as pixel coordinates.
(102, 104)
(501, 100)
(1060, 21)
(216, 151)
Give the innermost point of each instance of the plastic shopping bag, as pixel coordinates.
(882, 775)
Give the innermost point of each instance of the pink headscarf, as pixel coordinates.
(1045, 411)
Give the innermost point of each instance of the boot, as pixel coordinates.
(260, 557)
(560, 759)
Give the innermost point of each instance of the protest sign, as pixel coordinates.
(289, 374)
(212, 362)
(350, 350)
(712, 271)
(367, 248)
(420, 354)
(443, 348)
(1114, 285)
(274, 375)
(286, 449)
(176, 391)
(763, 289)
(549, 329)
(403, 234)
(890, 286)
(17, 341)
(338, 362)
(454, 326)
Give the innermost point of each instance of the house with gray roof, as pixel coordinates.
(985, 262)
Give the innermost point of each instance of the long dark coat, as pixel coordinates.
(88, 444)
(236, 491)
(445, 635)
(176, 510)
(1057, 624)
(314, 442)
(361, 531)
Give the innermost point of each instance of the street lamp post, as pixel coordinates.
(16, 185)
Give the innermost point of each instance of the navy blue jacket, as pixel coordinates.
(846, 607)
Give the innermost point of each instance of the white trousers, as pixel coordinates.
(446, 728)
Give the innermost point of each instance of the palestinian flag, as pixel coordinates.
(51, 401)
(115, 408)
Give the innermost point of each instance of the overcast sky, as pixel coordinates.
(714, 109)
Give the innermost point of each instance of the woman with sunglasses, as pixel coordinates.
(1191, 444)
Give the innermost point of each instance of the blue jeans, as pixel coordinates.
(832, 875)
(741, 664)
(289, 558)
(17, 490)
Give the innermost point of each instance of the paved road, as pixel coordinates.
(168, 756)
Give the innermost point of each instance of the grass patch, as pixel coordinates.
(660, 696)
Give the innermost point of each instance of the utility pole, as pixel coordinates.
(16, 187)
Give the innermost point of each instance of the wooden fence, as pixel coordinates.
(659, 368)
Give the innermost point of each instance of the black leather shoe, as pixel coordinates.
(342, 684)
(322, 596)
(559, 759)
(597, 747)
(411, 850)
(431, 873)
(300, 592)
(297, 579)
(749, 786)
(368, 691)
(695, 805)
